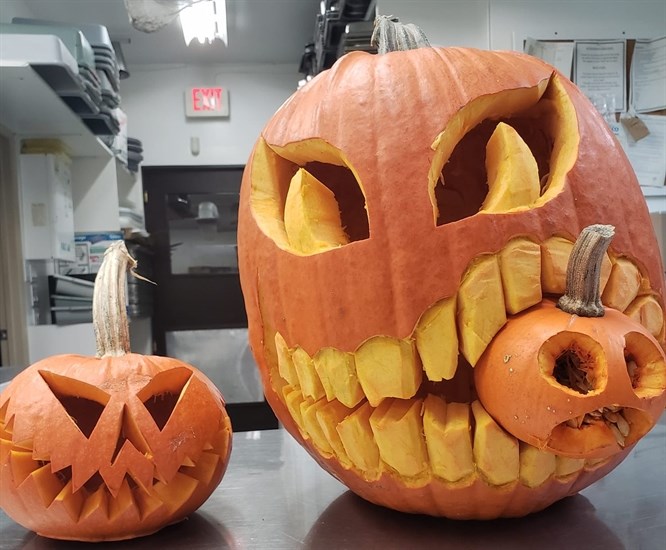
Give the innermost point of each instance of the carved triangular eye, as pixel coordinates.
(83, 402)
(160, 396)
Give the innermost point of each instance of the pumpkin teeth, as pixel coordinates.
(447, 428)
(493, 288)
(131, 501)
(418, 439)
(388, 367)
(647, 311)
(481, 310)
(399, 421)
(379, 409)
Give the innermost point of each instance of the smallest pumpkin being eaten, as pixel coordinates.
(575, 378)
(110, 447)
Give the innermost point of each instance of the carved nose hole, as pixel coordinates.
(130, 431)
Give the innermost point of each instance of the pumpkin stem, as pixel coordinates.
(109, 302)
(582, 295)
(389, 35)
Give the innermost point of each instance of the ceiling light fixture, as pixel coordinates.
(205, 20)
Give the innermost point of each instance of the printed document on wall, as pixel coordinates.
(648, 75)
(600, 71)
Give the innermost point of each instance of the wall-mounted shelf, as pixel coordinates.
(36, 91)
(30, 108)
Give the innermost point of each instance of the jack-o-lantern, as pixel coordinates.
(396, 213)
(114, 446)
(579, 381)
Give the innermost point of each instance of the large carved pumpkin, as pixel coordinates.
(396, 214)
(109, 447)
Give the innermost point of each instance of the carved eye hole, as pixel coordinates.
(645, 366)
(574, 362)
(529, 140)
(306, 197)
(83, 402)
(161, 395)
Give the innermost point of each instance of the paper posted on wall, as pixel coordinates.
(648, 155)
(600, 72)
(648, 75)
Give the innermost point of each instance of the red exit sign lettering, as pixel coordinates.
(207, 102)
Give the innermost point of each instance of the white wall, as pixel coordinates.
(13, 8)
(503, 24)
(153, 97)
(154, 100)
(445, 22)
(511, 21)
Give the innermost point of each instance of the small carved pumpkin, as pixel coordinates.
(577, 380)
(114, 446)
(396, 212)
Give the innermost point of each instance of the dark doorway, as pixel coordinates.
(199, 314)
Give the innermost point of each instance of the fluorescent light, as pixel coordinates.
(205, 20)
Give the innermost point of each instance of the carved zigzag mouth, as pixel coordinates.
(114, 494)
(407, 407)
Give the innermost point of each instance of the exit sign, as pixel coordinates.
(207, 102)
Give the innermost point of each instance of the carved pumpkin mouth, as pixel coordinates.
(609, 427)
(408, 406)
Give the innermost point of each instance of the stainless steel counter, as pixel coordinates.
(274, 496)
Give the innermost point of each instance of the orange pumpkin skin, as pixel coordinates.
(139, 466)
(390, 145)
(477, 501)
(383, 114)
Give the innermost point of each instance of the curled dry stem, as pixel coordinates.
(582, 296)
(389, 35)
